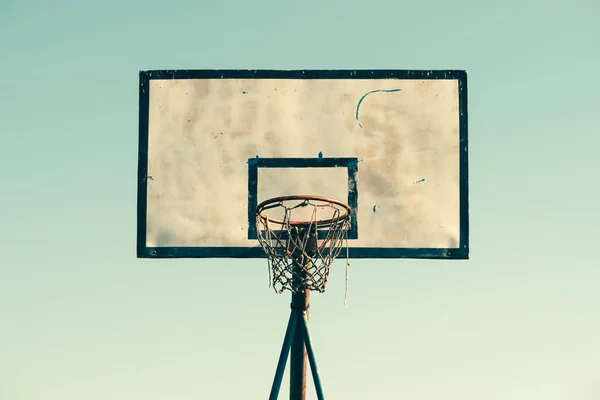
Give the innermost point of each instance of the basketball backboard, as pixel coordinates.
(391, 144)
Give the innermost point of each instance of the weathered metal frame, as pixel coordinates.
(144, 251)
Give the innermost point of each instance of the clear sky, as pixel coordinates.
(82, 318)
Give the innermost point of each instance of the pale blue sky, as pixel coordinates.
(82, 318)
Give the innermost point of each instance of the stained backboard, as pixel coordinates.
(215, 143)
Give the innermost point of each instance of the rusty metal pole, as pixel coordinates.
(298, 360)
(300, 303)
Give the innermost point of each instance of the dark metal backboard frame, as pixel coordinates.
(143, 251)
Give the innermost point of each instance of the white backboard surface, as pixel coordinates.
(392, 144)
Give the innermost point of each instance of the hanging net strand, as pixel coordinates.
(301, 236)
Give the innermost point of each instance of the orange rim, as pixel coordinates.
(265, 205)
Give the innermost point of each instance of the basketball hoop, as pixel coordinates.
(301, 235)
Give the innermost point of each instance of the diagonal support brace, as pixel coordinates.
(296, 319)
(311, 356)
(283, 356)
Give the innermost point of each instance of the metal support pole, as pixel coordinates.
(283, 356)
(300, 301)
(311, 357)
(297, 325)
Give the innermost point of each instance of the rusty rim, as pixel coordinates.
(278, 201)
